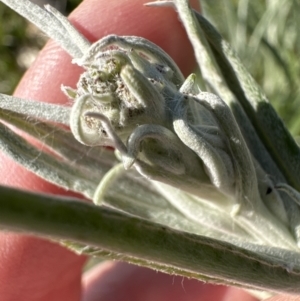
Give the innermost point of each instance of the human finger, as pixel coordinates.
(42, 270)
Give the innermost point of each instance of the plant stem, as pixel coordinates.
(159, 247)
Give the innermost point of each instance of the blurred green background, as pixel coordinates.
(264, 33)
(20, 42)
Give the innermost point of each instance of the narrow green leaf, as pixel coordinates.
(32, 108)
(45, 165)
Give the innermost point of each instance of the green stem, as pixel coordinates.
(151, 243)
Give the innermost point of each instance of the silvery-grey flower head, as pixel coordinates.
(132, 97)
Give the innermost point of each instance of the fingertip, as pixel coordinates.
(130, 17)
(284, 298)
(237, 294)
(116, 281)
(37, 270)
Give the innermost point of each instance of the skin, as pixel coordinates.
(38, 270)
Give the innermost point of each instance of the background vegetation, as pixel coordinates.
(263, 32)
(20, 42)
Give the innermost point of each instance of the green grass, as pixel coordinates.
(265, 34)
